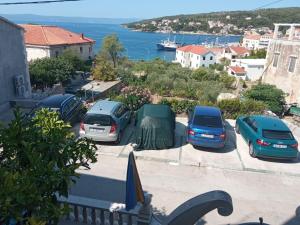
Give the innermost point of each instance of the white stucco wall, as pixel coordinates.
(38, 52)
(250, 44)
(194, 61)
(253, 67)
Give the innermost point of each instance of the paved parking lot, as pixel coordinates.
(258, 187)
(234, 156)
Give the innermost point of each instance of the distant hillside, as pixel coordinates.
(29, 18)
(232, 22)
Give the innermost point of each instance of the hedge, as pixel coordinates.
(232, 108)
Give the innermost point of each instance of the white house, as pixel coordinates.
(235, 52)
(251, 42)
(237, 71)
(14, 75)
(51, 41)
(195, 56)
(253, 68)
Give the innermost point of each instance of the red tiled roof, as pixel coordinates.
(253, 36)
(196, 49)
(52, 35)
(239, 50)
(237, 69)
(216, 50)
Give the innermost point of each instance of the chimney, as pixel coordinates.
(82, 36)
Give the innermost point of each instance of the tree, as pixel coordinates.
(104, 70)
(112, 47)
(257, 54)
(49, 71)
(38, 160)
(273, 97)
(71, 57)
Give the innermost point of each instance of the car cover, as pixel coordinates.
(155, 127)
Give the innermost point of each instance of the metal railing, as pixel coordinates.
(93, 211)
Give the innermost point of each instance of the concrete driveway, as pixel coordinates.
(234, 156)
(259, 188)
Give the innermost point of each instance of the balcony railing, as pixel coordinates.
(93, 211)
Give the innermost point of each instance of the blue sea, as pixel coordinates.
(138, 45)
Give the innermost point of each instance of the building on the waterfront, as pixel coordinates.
(264, 41)
(236, 52)
(14, 75)
(253, 68)
(251, 42)
(195, 56)
(51, 41)
(283, 66)
(237, 71)
(219, 52)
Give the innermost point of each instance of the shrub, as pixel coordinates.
(49, 71)
(134, 97)
(232, 108)
(182, 106)
(273, 97)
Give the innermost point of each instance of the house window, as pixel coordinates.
(197, 57)
(292, 64)
(56, 54)
(65, 47)
(197, 65)
(190, 63)
(81, 49)
(203, 65)
(211, 58)
(90, 49)
(276, 58)
(204, 58)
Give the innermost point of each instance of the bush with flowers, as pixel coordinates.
(134, 97)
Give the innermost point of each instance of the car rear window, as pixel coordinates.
(208, 121)
(103, 120)
(281, 135)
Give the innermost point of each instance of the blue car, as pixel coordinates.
(206, 127)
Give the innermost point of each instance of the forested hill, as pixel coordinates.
(231, 22)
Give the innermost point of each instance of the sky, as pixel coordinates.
(141, 9)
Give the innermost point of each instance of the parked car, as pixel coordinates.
(69, 107)
(105, 121)
(206, 127)
(267, 137)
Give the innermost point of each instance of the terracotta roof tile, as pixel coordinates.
(239, 50)
(52, 35)
(196, 49)
(237, 69)
(253, 36)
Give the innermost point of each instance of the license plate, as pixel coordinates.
(207, 135)
(280, 146)
(96, 129)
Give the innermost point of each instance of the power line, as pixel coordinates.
(268, 4)
(37, 2)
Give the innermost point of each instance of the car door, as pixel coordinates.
(251, 129)
(123, 114)
(71, 113)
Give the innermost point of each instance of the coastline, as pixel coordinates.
(182, 32)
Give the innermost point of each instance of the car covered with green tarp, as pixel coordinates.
(155, 127)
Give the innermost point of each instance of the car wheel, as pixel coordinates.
(251, 151)
(237, 128)
(118, 138)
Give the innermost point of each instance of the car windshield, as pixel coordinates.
(103, 120)
(275, 134)
(208, 121)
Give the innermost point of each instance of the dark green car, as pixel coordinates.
(267, 137)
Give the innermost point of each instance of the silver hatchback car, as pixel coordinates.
(105, 121)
